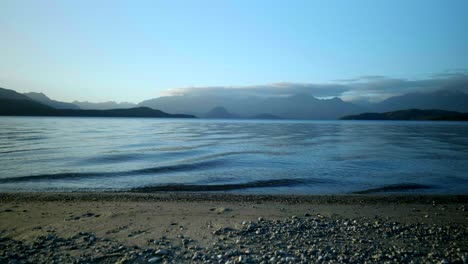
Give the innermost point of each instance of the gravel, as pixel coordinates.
(307, 239)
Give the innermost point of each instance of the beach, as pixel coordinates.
(231, 228)
(233, 132)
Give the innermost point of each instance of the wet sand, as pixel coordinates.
(197, 227)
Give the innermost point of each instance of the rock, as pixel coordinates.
(221, 210)
(154, 260)
(298, 240)
(162, 252)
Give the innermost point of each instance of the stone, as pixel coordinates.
(154, 260)
(162, 252)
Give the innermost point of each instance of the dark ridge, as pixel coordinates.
(395, 188)
(16, 104)
(449, 98)
(22, 107)
(12, 95)
(224, 187)
(220, 112)
(14, 107)
(412, 114)
(104, 105)
(155, 170)
(43, 99)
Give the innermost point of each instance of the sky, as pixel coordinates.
(136, 50)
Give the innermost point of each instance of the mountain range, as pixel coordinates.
(450, 100)
(219, 112)
(411, 114)
(104, 105)
(42, 98)
(303, 106)
(297, 106)
(16, 104)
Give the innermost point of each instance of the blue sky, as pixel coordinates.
(136, 50)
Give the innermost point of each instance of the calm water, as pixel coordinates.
(94, 154)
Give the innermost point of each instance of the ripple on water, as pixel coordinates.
(114, 153)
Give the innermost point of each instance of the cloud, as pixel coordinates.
(362, 78)
(369, 88)
(268, 90)
(382, 88)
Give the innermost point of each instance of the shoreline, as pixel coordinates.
(231, 228)
(234, 197)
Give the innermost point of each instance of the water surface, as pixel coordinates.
(306, 157)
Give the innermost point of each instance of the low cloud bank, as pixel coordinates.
(364, 88)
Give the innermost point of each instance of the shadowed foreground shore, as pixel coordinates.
(228, 228)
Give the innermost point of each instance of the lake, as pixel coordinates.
(242, 156)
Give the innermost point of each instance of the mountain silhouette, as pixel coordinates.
(104, 105)
(22, 107)
(219, 112)
(12, 103)
(42, 98)
(450, 100)
(10, 94)
(298, 106)
(411, 114)
(16, 104)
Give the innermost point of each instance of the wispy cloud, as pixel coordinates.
(267, 90)
(370, 88)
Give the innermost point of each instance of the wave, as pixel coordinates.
(233, 153)
(123, 157)
(24, 150)
(395, 188)
(114, 158)
(226, 187)
(178, 148)
(81, 175)
(195, 163)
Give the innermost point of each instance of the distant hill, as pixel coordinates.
(220, 112)
(12, 103)
(450, 100)
(16, 104)
(131, 112)
(299, 106)
(22, 107)
(411, 114)
(42, 98)
(104, 105)
(31, 108)
(10, 94)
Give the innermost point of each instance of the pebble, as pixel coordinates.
(162, 252)
(154, 260)
(292, 240)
